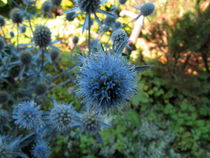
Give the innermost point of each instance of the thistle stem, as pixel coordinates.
(89, 36)
(17, 36)
(42, 59)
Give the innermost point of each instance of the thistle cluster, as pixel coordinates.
(105, 81)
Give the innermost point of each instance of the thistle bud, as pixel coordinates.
(26, 58)
(16, 15)
(47, 7)
(89, 6)
(54, 54)
(40, 89)
(147, 9)
(75, 40)
(122, 1)
(42, 36)
(56, 2)
(70, 16)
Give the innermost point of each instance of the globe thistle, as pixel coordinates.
(16, 15)
(62, 117)
(106, 81)
(40, 88)
(2, 21)
(2, 44)
(56, 2)
(42, 36)
(147, 9)
(4, 97)
(46, 7)
(75, 40)
(27, 115)
(54, 54)
(119, 37)
(122, 1)
(41, 150)
(26, 58)
(89, 6)
(70, 16)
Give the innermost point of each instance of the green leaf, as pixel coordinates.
(3, 3)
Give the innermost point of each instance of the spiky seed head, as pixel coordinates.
(27, 115)
(47, 7)
(26, 58)
(118, 37)
(122, 1)
(54, 54)
(2, 21)
(40, 88)
(70, 16)
(16, 15)
(89, 6)
(41, 150)
(75, 40)
(62, 117)
(42, 36)
(2, 44)
(12, 34)
(91, 123)
(4, 97)
(22, 29)
(56, 2)
(106, 81)
(147, 9)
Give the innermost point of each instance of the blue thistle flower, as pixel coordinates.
(62, 117)
(92, 123)
(106, 81)
(27, 115)
(41, 150)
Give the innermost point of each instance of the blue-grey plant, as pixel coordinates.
(62, 117)
(27, 115)
(119, 38)
(16, 15)
(2, 21)
(41, 150)
(46, 7)
(2, 44)
(106, 81)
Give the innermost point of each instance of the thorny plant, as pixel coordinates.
(105, 81)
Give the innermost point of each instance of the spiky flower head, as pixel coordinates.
(91, 123)
(106, 81)
(27, 115)
(56, 2)
(62, 117)
(1, 44)
(89, 6)
(42, 36)
(41, 150)
(147, 9)
(75, 40)
(40, 88)
(26, 58)
(4, 96)
(122, 1)
(70, 16)
(2, 21)
(47, 7)
(119, 37)
(109, 21)
(16, 15)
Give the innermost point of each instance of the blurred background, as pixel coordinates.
(170, 115)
